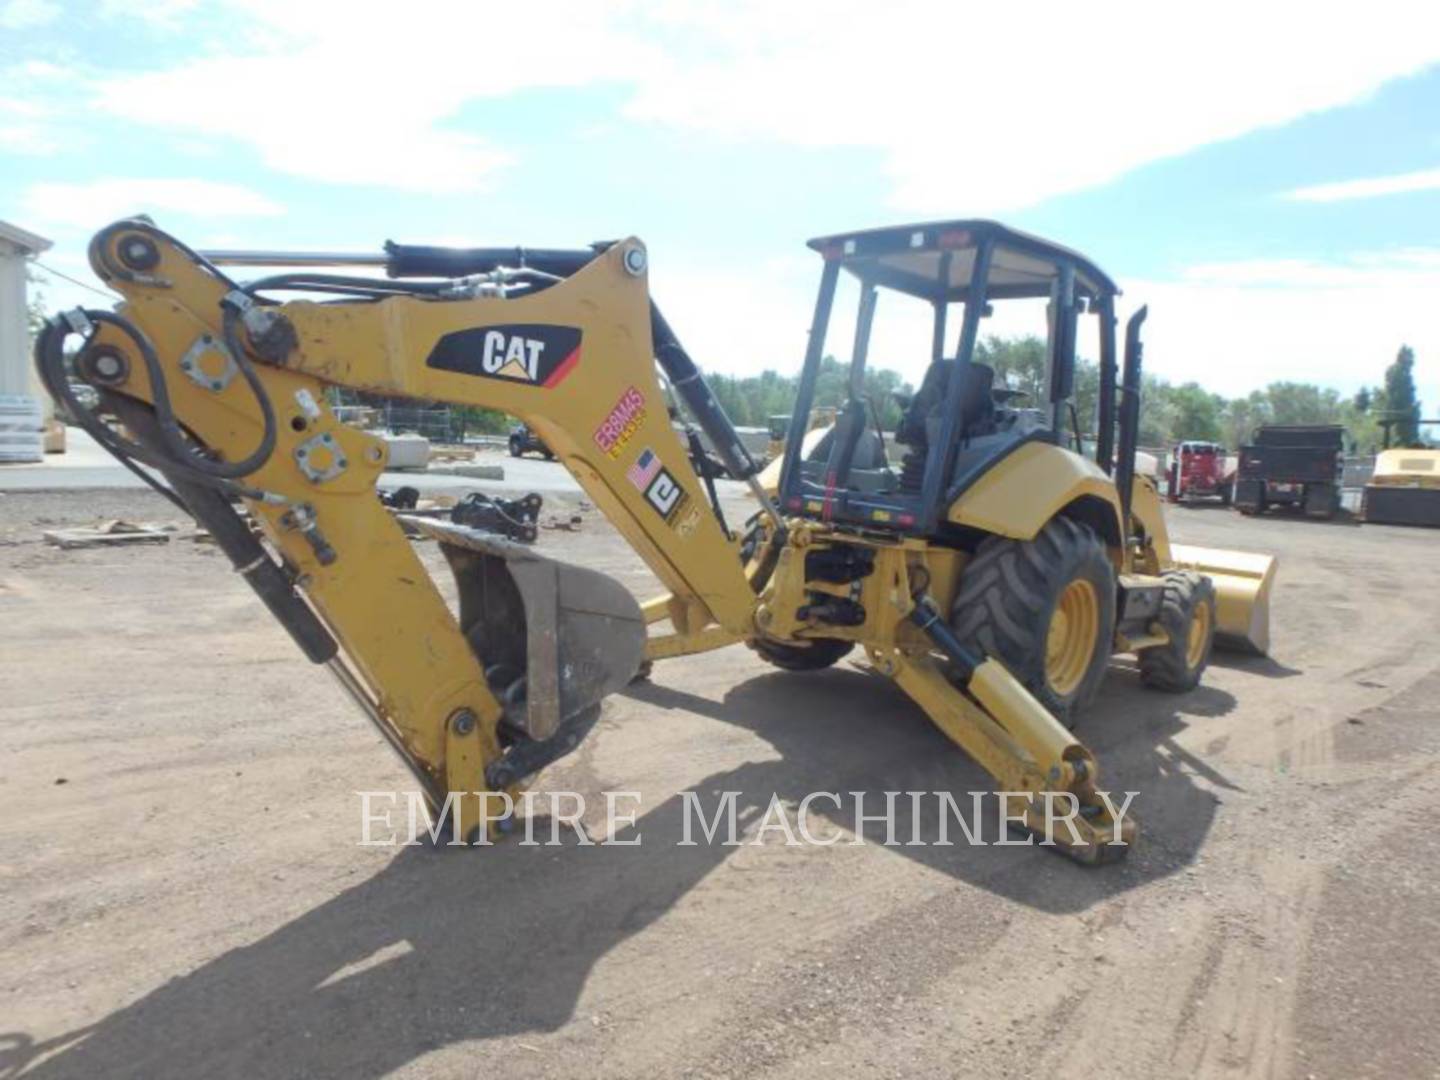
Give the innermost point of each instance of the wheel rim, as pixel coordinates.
(1199, 634)
(1070, 642)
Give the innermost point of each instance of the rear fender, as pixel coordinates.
(1019, 494)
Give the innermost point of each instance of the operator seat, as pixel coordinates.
(921, 421)
(977, 403)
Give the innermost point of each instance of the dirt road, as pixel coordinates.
(182, 894)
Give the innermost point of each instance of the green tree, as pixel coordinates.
(751, 400)
(1019, 363)
(1242, 416)
(1157, 411)
(1167, 413)
(1087, 394)
(1303, 403)
(1196, 413)
(485, 421)
(1401, 402)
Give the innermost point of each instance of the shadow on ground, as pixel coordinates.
(445, 945)
(1264, 666)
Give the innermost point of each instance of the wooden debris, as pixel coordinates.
(451, 453)
(109, 534)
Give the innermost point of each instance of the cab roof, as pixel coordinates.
(910, 258)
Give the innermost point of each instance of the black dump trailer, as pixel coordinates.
(1292, 465)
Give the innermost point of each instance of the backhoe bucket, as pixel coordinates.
(554, 638)
(1242, 593)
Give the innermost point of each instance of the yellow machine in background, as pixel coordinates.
(991, 575)
(822, 417)
(1404, 489)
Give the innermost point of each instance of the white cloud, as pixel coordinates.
(160, 14)
(738, 320)
(1235, 327)
(28, 139)
(21, 131)
(43, 69)
(1402, 183)
(992, 107)
(964, 108)
(95, 204)
(25, 14)
(343, 93)
(31, 110)
(383, 143)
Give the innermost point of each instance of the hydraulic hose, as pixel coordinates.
(50, 361)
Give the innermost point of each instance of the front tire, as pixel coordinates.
(1045, 608)
(818, 654)
(1187, 612)
(516, 450)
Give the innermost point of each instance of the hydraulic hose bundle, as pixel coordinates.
(172, 453)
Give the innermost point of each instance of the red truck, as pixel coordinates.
(1198, 471)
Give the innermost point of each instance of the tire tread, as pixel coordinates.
(1008, 588)
(1163, 667)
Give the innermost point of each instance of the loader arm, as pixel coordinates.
(574, 359)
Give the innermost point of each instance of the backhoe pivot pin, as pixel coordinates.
(463, 722)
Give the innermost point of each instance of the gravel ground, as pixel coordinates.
(182, 893)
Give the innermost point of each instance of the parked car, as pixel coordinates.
(524, 441)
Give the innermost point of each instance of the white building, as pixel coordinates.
(24, 406)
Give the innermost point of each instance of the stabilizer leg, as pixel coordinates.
(1041, 768)
(1072, 816)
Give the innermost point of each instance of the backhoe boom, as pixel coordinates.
(574, 358)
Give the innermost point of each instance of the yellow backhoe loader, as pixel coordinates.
(991, 575)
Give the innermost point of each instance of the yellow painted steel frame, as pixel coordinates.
(601, 417)
(376, 596)
(1033, 758)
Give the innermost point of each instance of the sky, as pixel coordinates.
(1266, 177)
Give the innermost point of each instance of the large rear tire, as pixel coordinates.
(1255, 507)
(1187, 612)
(1045, 608)
(1320, 501)
(820, 653)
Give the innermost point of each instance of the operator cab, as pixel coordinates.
(958, 423)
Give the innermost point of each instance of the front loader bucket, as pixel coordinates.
(554, 638)
(1242, 593)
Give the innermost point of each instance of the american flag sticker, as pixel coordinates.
(643, 471)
